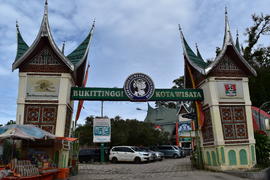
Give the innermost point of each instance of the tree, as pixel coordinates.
(11, 122)
(259, 57)
(262, 148)
(178, 84)
(124, 132)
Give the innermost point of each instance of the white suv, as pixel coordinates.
(128, 153)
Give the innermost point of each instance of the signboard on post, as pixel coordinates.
(102, 130)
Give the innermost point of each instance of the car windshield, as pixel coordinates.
(137, 149)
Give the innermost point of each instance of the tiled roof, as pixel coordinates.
(76, 55)
(22, 47)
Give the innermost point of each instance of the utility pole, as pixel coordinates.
(102, 154)
(199, 161)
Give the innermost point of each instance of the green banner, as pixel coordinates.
(118, 94)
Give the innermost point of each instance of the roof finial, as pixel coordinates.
(94, 22)
(46, 7)
(226, 12)
(179, 26)
(63, 47)
(17, 26)
(196, 45)
(237, 35)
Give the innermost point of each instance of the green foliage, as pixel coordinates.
(11, 122)
(262, 148)
(124, 132)
(259, 58)
(178, 84)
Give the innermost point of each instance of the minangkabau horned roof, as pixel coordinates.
(201, 66)
(73, 61)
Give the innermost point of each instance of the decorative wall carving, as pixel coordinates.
(45, 57)
(68, 121)
(227, 68)
(44, 60)
(227, 64)
(234, 124)
(207, 129)
(42, 116)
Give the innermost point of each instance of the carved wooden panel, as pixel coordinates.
(44, 60)
(234, 124)
(49, 114)
(45, 57)
(68, 121)
(228, 68)
(42, 116)
(207, 129)
(32, 113)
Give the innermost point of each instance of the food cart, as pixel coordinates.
(41, 155)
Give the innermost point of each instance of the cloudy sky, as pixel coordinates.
(130, 36)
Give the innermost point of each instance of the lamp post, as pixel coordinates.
(265, 103)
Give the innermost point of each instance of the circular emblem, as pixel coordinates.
(139, 87)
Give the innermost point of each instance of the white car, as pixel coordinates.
(128, 154)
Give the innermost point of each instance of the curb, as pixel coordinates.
(260, 175)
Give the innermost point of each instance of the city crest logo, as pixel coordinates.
(230, 89)
(139, 87)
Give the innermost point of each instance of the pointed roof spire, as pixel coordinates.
(17, 25)
(180, 29)
(44, 31)
(237, 45)
(46, 7)
(22, 47)
(198, 52)
(77, 56)
(63, 47)
(228, 40)
(197, 62)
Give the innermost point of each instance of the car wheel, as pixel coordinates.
(137, 160)
(114, 160)
(175, 156)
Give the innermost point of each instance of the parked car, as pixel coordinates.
(128, 154)
(169, 151)
(89, 155)
(182, 152)
(92, 155)
(157, 156)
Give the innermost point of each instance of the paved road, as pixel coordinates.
(169, 169)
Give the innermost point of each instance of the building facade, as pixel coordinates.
(163, 118)
(226, 129)
(46, 76)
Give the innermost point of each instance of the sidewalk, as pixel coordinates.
(258, 175)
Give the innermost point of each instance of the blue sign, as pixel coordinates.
(184, 126)
(101, 130)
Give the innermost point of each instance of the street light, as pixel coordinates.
(260, 113)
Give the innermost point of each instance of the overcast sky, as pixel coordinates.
(130, 36)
